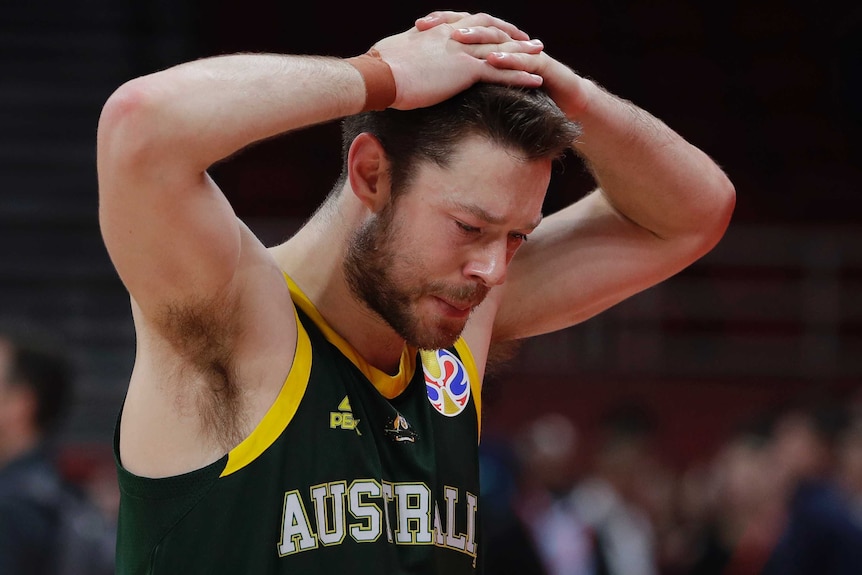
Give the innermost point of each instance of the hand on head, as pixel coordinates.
(446, 52)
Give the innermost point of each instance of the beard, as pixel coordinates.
(371, 265)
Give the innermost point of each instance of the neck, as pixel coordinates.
(313, 258)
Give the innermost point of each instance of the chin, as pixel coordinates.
(443, 335)
(426, 328)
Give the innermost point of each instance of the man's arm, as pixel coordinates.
(661, 204)
(170, 232)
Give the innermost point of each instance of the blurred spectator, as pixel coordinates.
(507, 543)
(734, 511)
(821, 534)
(43, 529)
(546, 451)
(850, 459)
(626, 485)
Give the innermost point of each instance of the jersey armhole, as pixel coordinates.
(282, 410)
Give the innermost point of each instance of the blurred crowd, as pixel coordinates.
(781, 496)
(51, 522)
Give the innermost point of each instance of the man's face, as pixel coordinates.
(427, 260)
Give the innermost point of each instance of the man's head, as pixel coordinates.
(35, 389)
(465, 182)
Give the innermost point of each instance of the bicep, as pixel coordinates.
(168, 237)
(168, 229)
(579, 262)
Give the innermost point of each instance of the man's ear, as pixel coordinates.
(368, 172)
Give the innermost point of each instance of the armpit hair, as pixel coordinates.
(203, 334)
(500, 353)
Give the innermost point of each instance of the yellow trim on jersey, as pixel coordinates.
(475, 383)
(281, 412)
(389, 386)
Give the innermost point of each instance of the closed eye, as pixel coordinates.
(467, 228)
(516, 239)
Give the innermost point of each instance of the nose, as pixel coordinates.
(488, 263)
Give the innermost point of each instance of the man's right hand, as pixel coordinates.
(445, 53)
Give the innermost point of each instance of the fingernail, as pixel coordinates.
(466, 30)
(535, 42)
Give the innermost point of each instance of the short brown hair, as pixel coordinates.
(525, 120)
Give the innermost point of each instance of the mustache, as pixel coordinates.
(470, 294)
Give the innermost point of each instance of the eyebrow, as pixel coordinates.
(487, 216)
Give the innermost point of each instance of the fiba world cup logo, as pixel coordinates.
(446, 381)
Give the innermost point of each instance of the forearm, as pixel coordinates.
(648, 171)
(203, 111)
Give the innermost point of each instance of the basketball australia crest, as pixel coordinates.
(446, 381)
(399, 430)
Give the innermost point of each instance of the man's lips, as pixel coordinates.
(458, 306)
(462, 306)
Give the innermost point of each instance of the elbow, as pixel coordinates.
(724, 193)
(126, 124)
(123, 104)
(719, 204)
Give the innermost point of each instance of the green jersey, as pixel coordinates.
(350, 470)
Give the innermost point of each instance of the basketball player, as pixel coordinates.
(314, 407)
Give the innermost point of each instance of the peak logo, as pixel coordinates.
(343, 418)
(446, 381)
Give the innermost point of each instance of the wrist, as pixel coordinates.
(379, 81)
(579, 97)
